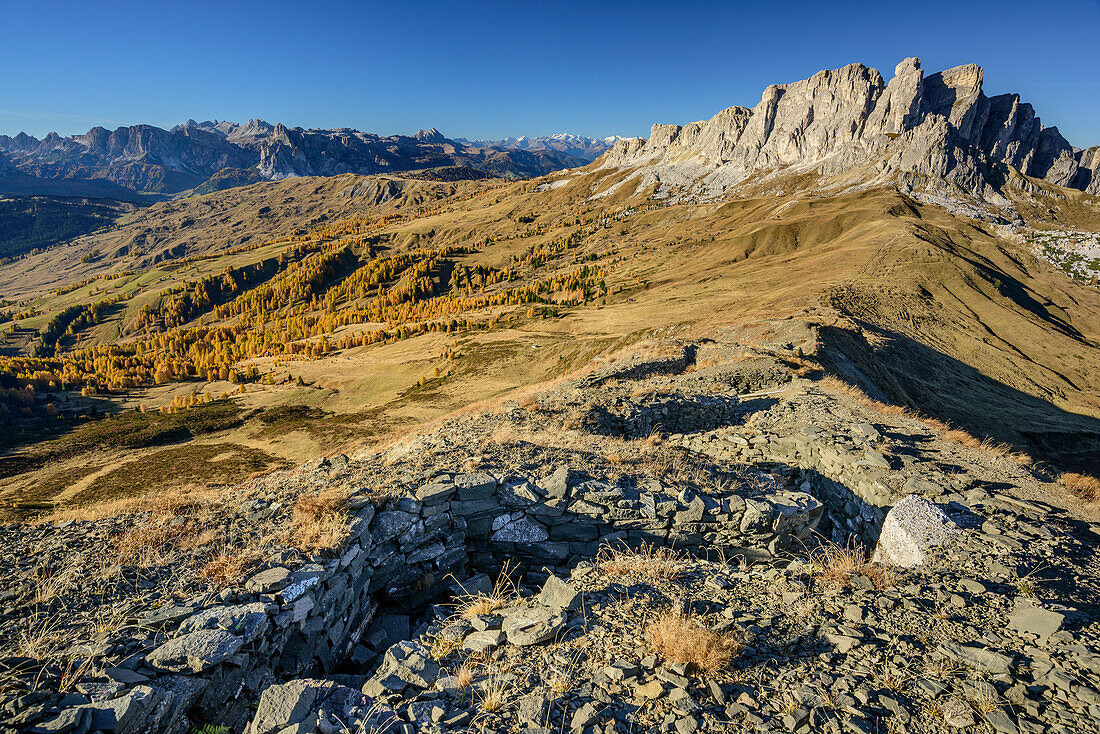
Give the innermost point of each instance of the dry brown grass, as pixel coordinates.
(47, 584)
(73, 671)
(503, 594)
(152, 543)
(182, 501)
(504, 435)
(679, 638)
(834, 566)
(39, 636)
(646, 560)
(497, 693)
(465, 675)
(228, 567)
(1085, 486)
(988, 445)
(319, 523)
(481, 604)
(799, 366)
(834, 384)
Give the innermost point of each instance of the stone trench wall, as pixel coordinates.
(841, 468)
(666, 414)
(289, 620)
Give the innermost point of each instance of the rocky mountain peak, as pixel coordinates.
(430, 136)
(850, 124)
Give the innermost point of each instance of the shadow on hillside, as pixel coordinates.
(903, 371)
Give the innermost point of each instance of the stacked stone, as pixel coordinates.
(663, 414)
(553, 521)
(286, 621)
(844, 470)
(291, 620)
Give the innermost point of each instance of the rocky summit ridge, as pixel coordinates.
(938, 133)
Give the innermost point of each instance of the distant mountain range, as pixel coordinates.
(579, 146)
(142, 159)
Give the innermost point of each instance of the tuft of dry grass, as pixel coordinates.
(496, 694)
(73, 672)
(39, 636)
(481, 604)
(465, 675)
(228, 567)
(151, 543)
(183, 501)
(320, 523)
(46, 584)
(504, 436)
(504, 592)
(680, 638)
(615, 458)
(945, 668)
(1085, 486)
(834, 566)
(646, 560)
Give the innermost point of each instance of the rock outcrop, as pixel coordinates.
(849, 123)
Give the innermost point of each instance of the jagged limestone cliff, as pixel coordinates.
(850, 124)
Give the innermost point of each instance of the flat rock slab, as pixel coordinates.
(984, 660)
(195, 652)
(410, 663)
(1034, 620)
(557, 594)
(269, 581)
(247, 620)
(518, 528)
(530, 626)
(302, 705)
(118, 715)
(484, 640)
(913, 527)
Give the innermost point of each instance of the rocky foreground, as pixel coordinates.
(695, 539)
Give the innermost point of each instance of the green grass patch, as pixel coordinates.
(177, 466)
(322, 425)
(40, 498)
(291, 416)
(126, 430)
(134, 430)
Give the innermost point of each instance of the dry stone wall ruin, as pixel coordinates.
(290, 621)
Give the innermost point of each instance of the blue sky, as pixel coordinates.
(496, 69)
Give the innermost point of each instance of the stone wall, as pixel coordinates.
(841, 468)
(663, 414)
(288, 620)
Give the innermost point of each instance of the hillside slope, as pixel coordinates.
(914, 304)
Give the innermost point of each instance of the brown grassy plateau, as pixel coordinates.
(916, 306)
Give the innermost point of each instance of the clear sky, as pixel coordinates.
(496, 69)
